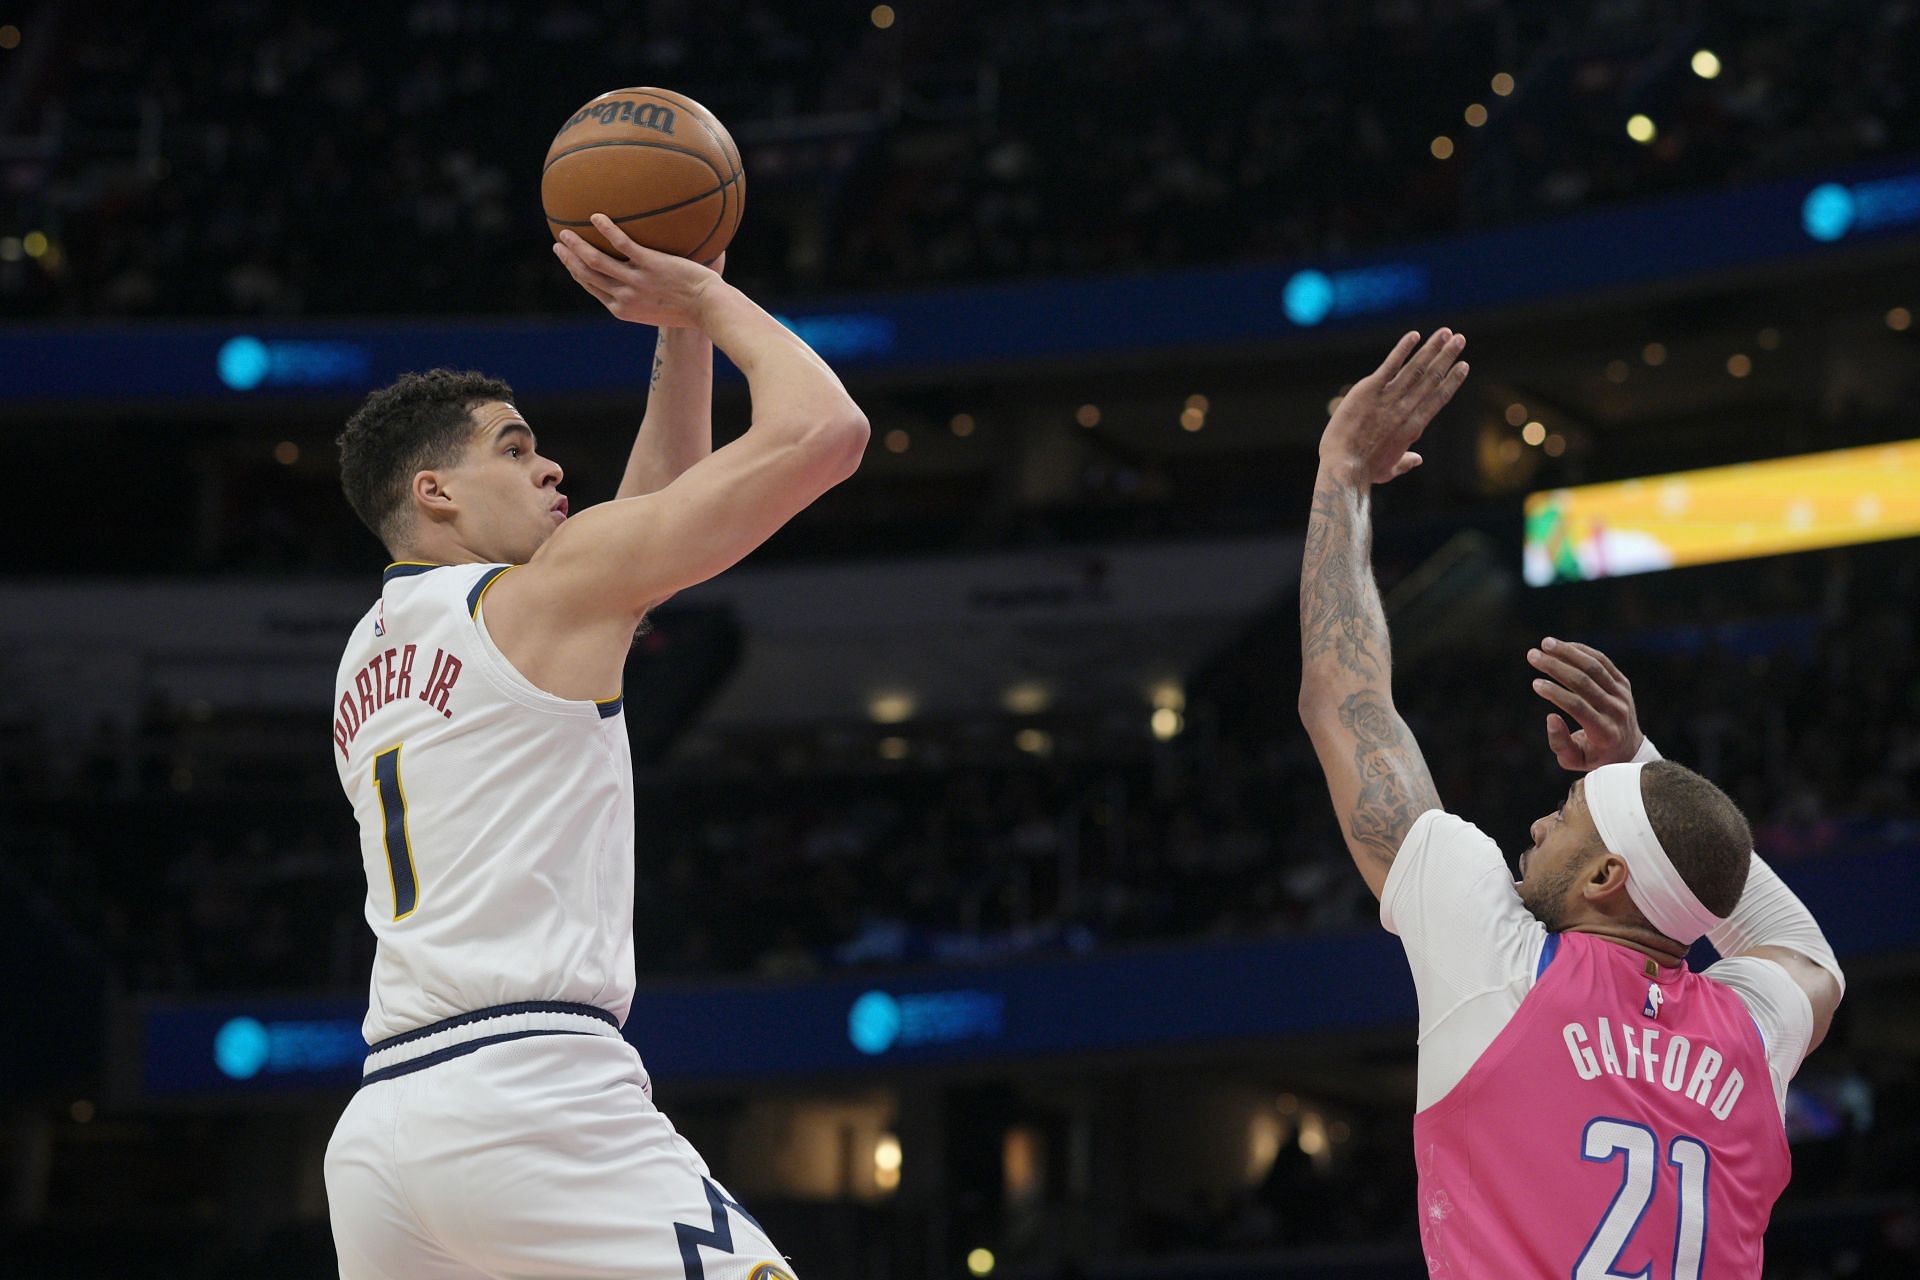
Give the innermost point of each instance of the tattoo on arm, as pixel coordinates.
(1340, 612)
(1395, 787)
(1346, 659)
(659, 361)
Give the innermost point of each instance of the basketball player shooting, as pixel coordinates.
(1587, 1106)
(503, 1128)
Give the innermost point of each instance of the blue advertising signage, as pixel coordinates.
(1152, 999)
(936, 329)
(757, 1031)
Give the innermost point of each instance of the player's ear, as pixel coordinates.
(430, 496)
(1606, 878)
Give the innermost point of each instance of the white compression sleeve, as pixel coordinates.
(1771, 915)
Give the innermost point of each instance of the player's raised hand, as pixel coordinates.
(645, 286)
(1371, 434)
(1583, 682)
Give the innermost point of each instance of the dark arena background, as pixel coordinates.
(992, 916)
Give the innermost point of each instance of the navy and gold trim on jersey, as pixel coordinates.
(406, 569)
(479, 591)
(610, 707)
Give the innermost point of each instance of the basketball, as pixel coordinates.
(656, 162)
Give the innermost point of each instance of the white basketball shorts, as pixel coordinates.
(525, 1143)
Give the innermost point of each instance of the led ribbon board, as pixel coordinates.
(1802, 503)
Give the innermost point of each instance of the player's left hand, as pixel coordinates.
(1371, 435)
(645, 286)
(1583, 682)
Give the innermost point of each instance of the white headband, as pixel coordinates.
(1613, 797)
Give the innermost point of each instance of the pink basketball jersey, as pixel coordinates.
(1623, 1124)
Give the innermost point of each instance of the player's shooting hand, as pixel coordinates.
(1583, 682)
(645, 285)
(1372, 433)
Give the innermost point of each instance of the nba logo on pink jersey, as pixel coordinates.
(1588, 1142)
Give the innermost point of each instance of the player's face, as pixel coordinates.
(1563, 842)
(510, 495)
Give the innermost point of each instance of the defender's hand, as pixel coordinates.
(1583, 682)
(646, 287)
(1372, 433)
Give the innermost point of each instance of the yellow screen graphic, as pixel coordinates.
(1751, 509)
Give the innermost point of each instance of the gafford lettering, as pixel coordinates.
(1638, 1053)
(387, 678)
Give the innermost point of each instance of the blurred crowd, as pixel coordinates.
(298, 158)
(1795, 683)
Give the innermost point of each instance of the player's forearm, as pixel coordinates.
(1344, 648)
(677, 430)
(793, 389)
(1376, 775)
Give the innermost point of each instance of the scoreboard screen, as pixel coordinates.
(1802, 503)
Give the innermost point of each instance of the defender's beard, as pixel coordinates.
(1546, 897)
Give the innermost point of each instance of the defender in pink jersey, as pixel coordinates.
(1587, 1106)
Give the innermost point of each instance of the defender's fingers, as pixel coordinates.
(1557, 735)
(1580, 655)
(1564, 749)
(1416, 368)
(1577, 655)
(1443, 390)
(1573, 678)
(1398, 356)
(1408, 461)
(1605, 662)
(1571, 703)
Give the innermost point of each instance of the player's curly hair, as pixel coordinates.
(1702, 830)
(420, 422)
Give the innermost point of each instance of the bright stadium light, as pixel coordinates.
(1640, 128)
(891, 707)
(980, 1262)
(1706, 64)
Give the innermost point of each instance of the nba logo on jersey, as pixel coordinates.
(380, 618)
(1654, 1000)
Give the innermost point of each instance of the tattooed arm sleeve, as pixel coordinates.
(1378, 778)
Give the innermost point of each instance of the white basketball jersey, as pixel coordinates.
(496, 820)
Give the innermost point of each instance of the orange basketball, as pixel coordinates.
(656, 162)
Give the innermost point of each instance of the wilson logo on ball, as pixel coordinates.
(648, 115)
(654, 161)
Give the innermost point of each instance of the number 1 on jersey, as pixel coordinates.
(393, 809)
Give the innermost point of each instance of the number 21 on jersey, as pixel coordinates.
(1607, 1139)
(393, 811)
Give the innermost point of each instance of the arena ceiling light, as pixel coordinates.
(891, 706)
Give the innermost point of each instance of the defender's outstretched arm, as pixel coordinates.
(1375, 772)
